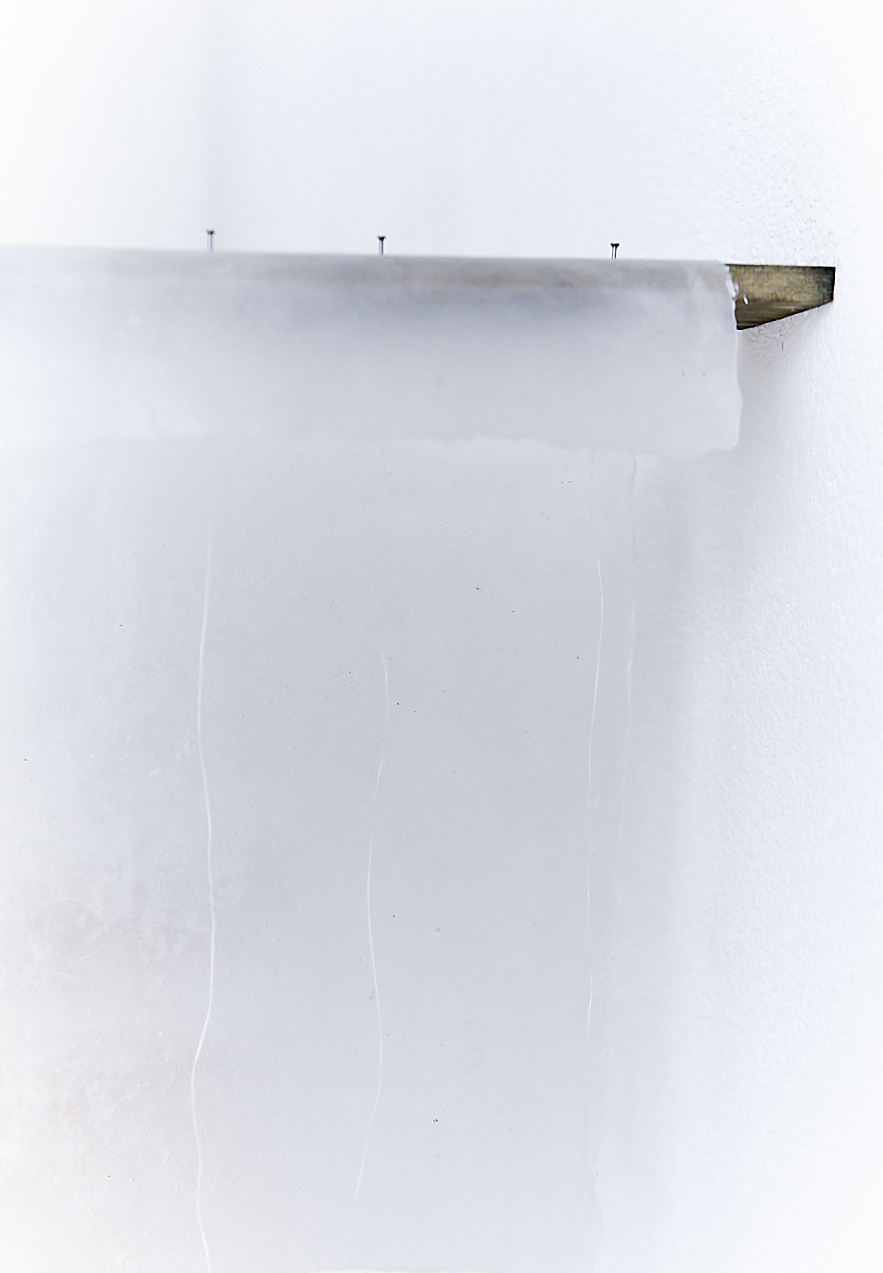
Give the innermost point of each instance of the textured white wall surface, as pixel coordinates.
(742, 1121)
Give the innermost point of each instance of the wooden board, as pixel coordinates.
(765, 293)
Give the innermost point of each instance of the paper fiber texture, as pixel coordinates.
(313, 756)
(639, 356)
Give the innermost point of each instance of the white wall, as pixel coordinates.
(749, 884)
(683, 131)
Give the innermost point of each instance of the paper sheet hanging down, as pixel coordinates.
(636, 355)
(363, 697)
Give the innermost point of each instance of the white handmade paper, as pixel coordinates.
(637, 355)
(316, 623)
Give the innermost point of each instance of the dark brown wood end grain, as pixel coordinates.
(765, 293)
